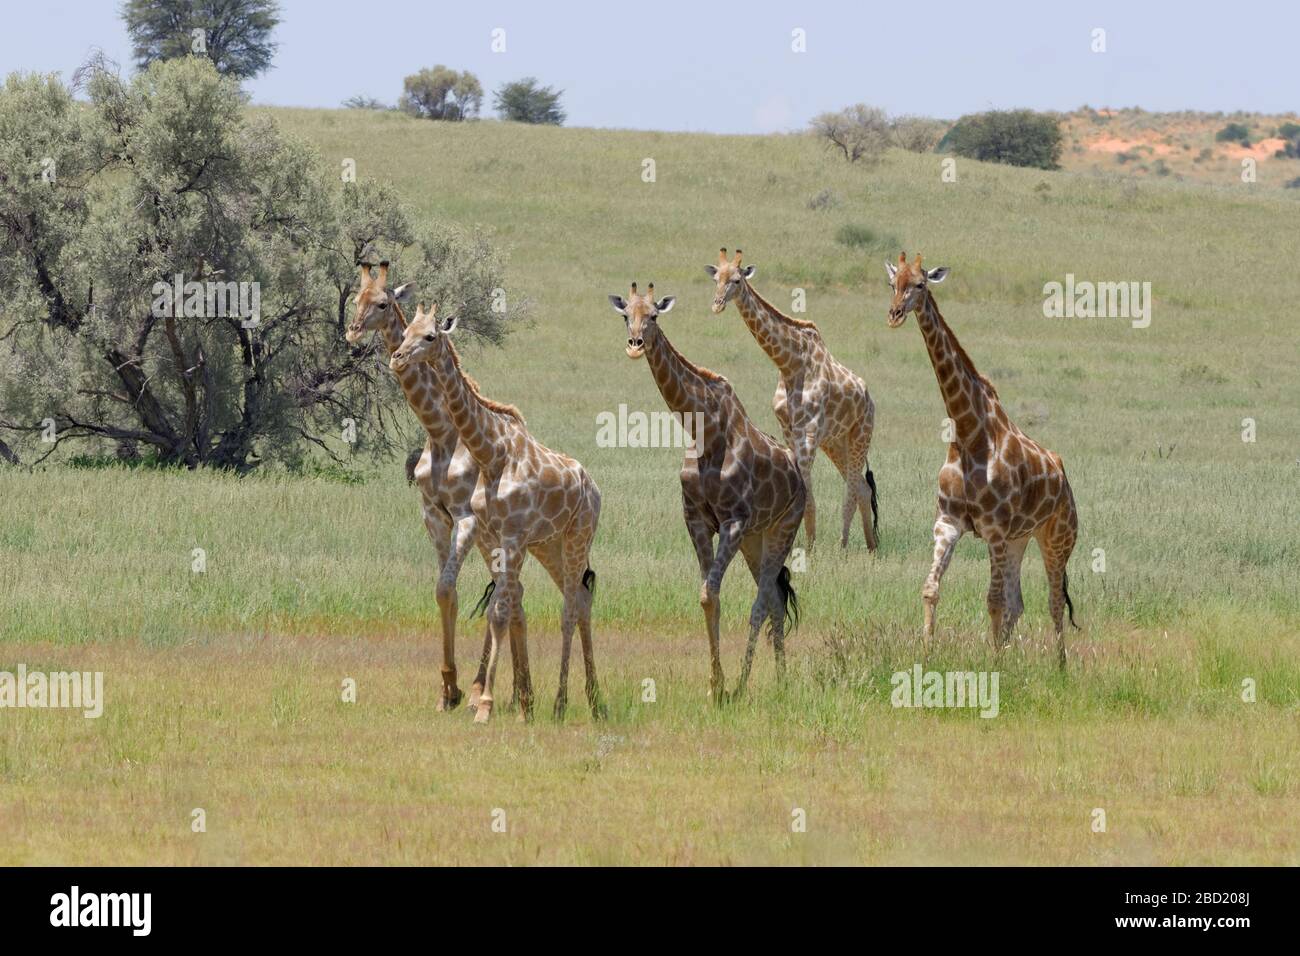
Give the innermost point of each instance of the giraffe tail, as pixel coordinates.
(482, 604)
(789, 600)
(589, 581)
(1069, 605)
(875, 511)
(412, 460)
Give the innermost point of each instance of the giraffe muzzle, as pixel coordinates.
(897, 317)
(719, 304)
(635, 348)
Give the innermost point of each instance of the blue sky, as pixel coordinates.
(729, 68)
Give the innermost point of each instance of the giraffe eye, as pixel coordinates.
(429, 337)
(383, 305)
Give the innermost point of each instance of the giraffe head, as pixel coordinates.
(909, 283)
(640, 314)
(421, 337)
(376, 303)
(728, 275)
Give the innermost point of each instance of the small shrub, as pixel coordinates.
(1233, 132)
(826, 199)
(360, 102)
(865, 238)
(916, 134)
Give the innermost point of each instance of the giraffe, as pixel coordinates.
(819, 402)
(737, 483)
(997, 483)
(444, 471)
(528, 500)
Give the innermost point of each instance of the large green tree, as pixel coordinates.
(102, 205)
(234, 34)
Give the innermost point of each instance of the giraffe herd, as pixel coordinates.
(487, 484)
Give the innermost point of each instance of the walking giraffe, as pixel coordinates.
(819, 402)
(445, 472)
(528, 500)
(997, 483)
(737, 484)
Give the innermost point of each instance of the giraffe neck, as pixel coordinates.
(684, 388)
(774, 332)
(484, 431)
(420, 386)
(966, 396)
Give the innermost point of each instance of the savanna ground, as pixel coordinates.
(223, 688)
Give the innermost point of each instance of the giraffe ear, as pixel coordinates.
(403, 293)
(748, 271)
(712, 271)
(617, 302)
(449, 324)
(666, 304)
(892, 270)
(938, 275)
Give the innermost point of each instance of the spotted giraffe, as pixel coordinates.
(997, 483)
(445, 473)
(819, 402)
(528, 500)
(738, 484)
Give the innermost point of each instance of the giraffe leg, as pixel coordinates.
(997, 596)
(860, 443)
(508, 597)
(804, 456)
(777, 542)
(480, 678)
(751, 546)
(850, 461)
(462, 535)
(947, 532)
(729, 536)
(1056, 543)
(1014, 600)
(577, 607)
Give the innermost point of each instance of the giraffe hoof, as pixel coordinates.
(484, 712)
(475, 694)
(450, 699)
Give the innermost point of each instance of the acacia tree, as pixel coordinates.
(166, 176)
(859, 131)
(526, 101)
(236, 34)
(442, 94)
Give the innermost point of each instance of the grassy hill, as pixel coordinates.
(311, 581)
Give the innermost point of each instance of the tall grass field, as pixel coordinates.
(1172, 737)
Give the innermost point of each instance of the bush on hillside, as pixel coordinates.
(1233, 133)
(1013, 137)
(442, 94)
(916, 134)
(526, 101)
(860, 132)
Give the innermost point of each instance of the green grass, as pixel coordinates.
(222, 686)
